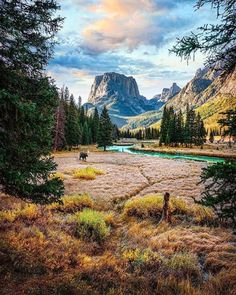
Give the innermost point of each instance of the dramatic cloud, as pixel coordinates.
(129, 24)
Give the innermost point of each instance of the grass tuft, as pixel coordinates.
(90, 225)
(88, 173)
(73, 203)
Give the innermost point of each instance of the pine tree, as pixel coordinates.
(95, 125)
(164, 126)
(28, 100)
(216, 41)
(229, 123)
(105, 129)
(180, 128)
(220, 189)
(59, 129)
(72, 128)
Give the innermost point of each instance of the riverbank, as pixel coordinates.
(208, 151)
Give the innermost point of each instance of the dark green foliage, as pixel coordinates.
(220, 189)
(95, 125)
(229, 124)
(217, 41)
(174, 131)
(105, 129)
(146, 133)
(28, 100)
(72, 128)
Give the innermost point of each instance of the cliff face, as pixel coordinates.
(192, 92)
(121, 96)
(167, 93)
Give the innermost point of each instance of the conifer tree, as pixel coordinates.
(72, 128)
(28, 100)
(164, 126)
(59, 129)
(105, 129)
(95, 125)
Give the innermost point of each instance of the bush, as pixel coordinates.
(90, 225)
(183, 264)
(151, 206)
(203, 215)
(148, 206)
(57, 175)
(142, 259)
(28, 212)
(73, 203)
(88, 173)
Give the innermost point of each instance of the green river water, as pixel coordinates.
(128, 149)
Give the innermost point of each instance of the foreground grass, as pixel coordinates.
(75, 248)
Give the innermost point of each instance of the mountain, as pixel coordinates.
(192, 93)
(120, 94)
(167, 93)
(209, 93)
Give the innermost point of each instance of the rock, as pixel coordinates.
(120, 94)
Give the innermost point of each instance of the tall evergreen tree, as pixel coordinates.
(59, 129)
(72, 128)
(105, 129)
(164, 126)
(28, 100)
(95, 125)
(229, 123)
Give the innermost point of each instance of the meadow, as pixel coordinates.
(106, 237)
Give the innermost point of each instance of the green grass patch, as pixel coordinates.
(90, 225)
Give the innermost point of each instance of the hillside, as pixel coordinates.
(209, 93)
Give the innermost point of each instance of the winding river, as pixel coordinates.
(128, 149)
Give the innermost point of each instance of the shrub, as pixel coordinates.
(90, 225)
(88, 173)
(73, 203)
(140, 259)
(57, 175)
(151, 206)
(28, 212)
(148, 206)
(184, 264)
(203, 215)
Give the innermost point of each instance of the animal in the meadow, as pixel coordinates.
(83, 156)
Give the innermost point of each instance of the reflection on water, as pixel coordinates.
(127, 149)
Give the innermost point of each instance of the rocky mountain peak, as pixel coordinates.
(113, 85)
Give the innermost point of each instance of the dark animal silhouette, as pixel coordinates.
(83, 156)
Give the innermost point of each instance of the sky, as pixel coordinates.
(130, 37)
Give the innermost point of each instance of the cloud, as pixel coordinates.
(129, 24)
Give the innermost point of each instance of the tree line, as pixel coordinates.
(176, 131)
(73, 125)
(141, 134)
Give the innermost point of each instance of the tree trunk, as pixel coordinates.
(166, 214)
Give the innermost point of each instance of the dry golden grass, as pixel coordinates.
(88, 173)
(150, 206)
(42, 254)
(73, 203)
(57, 175)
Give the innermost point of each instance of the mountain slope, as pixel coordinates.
(208, 93)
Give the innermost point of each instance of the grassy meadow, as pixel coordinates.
(109, 240)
